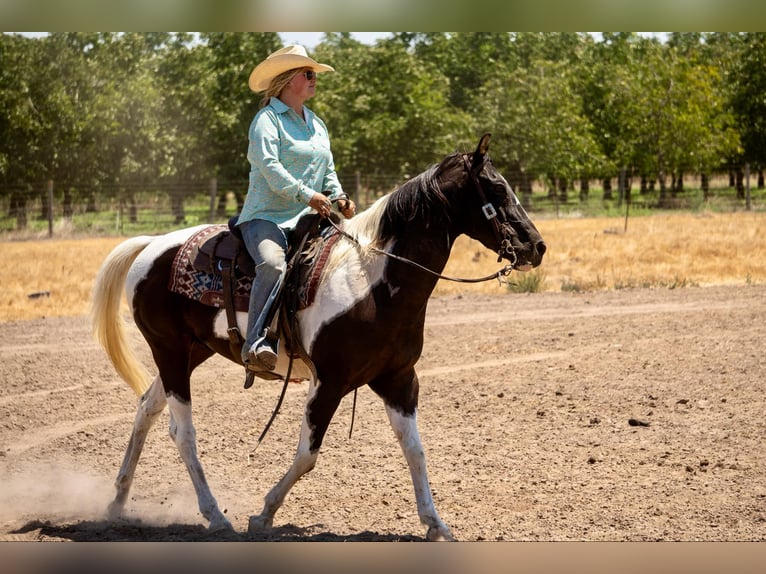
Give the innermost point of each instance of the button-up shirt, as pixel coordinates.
(290, 159)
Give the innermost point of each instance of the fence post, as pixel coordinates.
(213, 196)
(747, 187)
(50, 208)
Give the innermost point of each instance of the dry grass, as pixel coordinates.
(63, 268)
(583, 254)
(657, 251)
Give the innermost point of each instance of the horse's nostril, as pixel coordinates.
(541, 248)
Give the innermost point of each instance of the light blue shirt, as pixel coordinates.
(290, 159)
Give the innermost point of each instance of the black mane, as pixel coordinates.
(419, 199)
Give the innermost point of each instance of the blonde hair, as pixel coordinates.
(278, 84)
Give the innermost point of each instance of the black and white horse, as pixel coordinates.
(366, 298)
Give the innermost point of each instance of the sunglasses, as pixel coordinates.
(309, 75)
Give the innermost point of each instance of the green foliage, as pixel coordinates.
(111, 113)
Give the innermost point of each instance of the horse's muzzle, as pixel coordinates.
(529, 255)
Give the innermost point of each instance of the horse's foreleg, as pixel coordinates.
(317, 414)
(406, 430)
(186, 441)
(150, 406)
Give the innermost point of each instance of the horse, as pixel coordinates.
(374, 289)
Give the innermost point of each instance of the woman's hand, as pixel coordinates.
(321, 204)
(347, 208)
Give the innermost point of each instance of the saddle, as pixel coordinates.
(224, 251)
(224, 255)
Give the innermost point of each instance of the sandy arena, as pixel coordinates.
(633, 415)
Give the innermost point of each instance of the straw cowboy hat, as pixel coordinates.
(287, 58)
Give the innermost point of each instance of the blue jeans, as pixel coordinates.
(267, 245)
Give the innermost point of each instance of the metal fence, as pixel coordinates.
(65, 208)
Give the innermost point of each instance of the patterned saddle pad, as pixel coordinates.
(207, 288)
(200, 286)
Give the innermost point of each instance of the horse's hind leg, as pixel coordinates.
(150, 406)
(183, 433)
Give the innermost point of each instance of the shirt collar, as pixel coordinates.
(280, 107)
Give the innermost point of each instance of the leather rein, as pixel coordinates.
(490, 213)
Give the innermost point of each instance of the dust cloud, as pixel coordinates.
(54, 491)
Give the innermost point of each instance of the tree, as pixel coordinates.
(672, 117)
(186, 120)
(539, 116)
(231, 58)
(749, 101)
(22, 130)
(385, 111)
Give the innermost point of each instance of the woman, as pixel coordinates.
(291, 173)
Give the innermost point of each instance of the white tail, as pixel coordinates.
(107, 323)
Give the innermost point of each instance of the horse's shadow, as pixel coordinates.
(135, 530)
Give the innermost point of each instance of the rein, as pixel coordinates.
(489, 212)
(504, 272)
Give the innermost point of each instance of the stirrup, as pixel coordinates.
(252, 371)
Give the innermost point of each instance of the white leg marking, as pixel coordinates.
(303, 462)
(186, 441)
(406, 431)
(151, 404)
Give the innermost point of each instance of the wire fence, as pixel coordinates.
(66, 208)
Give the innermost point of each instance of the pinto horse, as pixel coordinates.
(368, 295)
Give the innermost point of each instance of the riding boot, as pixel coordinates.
(262, 353)
(267, 244)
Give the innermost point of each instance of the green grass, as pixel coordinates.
(529, 282)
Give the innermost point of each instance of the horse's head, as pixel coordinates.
(494, 214)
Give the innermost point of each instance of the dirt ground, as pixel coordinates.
(634, 415)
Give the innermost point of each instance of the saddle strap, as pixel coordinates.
(235, 337)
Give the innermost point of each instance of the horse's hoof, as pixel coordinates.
(259, 523)
(439, 534)
(220, 524)
(113, 511)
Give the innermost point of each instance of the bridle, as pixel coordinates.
(500, 227)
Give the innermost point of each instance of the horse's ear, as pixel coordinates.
(482, 148)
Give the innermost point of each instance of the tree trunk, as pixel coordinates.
(177, 207)
(607, 182)
(740, 183)
(90, 205)
(526, 191)
(132, 209)
(18, 209)
(44, 207)
(664, 200)
(584, 189)
(68, 204)
(705, 184)
(221, 208)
